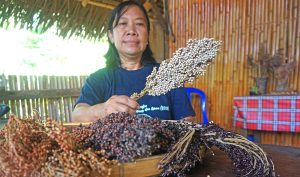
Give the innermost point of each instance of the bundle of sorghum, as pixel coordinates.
(29, 148)
(185, 152)
(248, 158)
(127, 137)
(186, 64)
(72, 158)
(24, 148)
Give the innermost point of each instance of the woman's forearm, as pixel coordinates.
(86, 113)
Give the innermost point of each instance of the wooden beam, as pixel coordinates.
(104, 4)
(112, 4)
(34, 94)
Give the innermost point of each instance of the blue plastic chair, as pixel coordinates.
(190, 91)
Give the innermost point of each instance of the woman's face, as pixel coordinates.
(130, 35)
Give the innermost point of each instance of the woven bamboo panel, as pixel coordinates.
(242, 25)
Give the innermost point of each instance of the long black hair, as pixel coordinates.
(112, 55)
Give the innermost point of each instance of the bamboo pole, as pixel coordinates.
(292, 56)
(297, 45)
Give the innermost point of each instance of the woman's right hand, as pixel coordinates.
(116, 103)
(120, 103)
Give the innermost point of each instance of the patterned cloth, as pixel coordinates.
(270, 113)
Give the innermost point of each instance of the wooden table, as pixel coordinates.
(286, 161)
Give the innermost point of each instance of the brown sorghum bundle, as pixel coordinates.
(83, 163)
(186, 64)
(30, 148)
(24, 148)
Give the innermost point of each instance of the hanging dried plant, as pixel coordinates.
(277, 66)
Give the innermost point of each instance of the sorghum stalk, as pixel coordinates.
(186, 64)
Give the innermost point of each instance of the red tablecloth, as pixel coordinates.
(270, 113)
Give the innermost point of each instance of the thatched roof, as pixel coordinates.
(82, 18)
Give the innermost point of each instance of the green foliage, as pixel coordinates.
(254, 90)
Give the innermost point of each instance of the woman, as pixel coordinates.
(128, 62)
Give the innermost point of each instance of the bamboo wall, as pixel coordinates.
(242, 25)
(49, 96)
(157, 40)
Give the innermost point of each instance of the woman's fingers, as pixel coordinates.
(121, 103)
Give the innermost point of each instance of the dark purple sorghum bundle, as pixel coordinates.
(248, 158)
(126, 137)
(187, 150)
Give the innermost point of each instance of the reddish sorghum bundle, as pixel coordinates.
(84, 162)
(30, 148)
(24, 148)
(72, 159)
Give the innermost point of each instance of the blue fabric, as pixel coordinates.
(104, 83)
